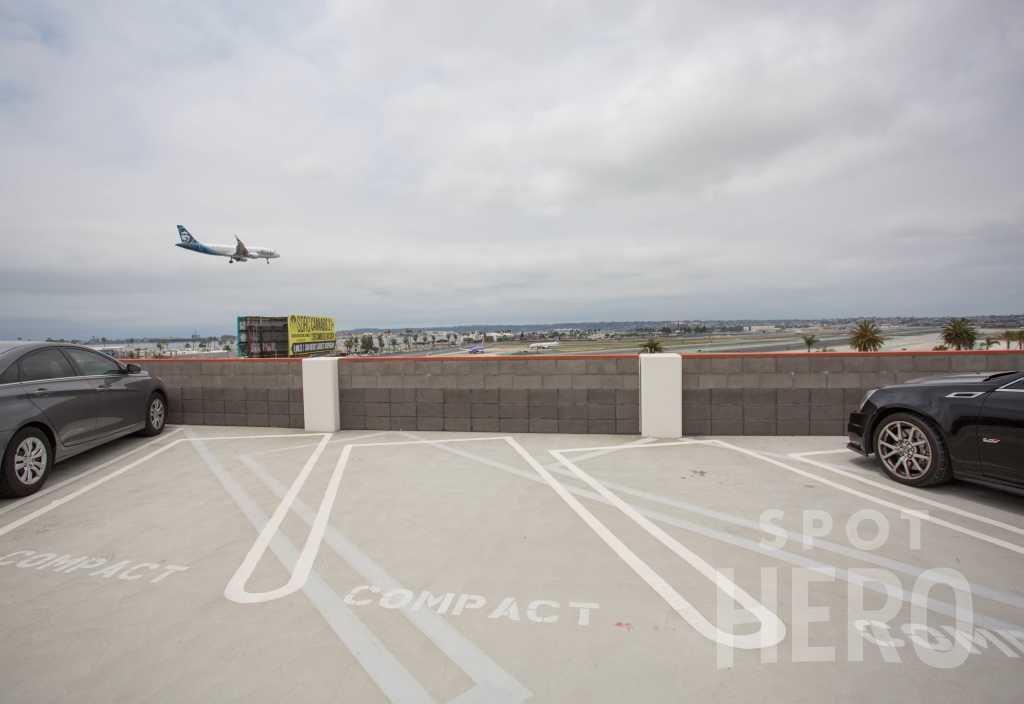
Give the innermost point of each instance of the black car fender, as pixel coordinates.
(879, 415)
(953, 418)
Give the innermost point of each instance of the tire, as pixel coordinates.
(910, 451)
(27, 462)
(156, 415)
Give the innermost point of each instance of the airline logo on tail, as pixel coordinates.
(185, 235)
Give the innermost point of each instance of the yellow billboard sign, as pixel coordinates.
(310, 334)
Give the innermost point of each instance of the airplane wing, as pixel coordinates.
(240, 251)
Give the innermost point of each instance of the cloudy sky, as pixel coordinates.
(441, 163)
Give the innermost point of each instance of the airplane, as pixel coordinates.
(543, 345)
(235, 253)
(475, 350)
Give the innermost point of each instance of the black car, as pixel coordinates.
(928, 431)
(58, 400)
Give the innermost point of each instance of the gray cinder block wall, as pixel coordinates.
(805, 394)
(513, 395)
(728, 394)
(256, 392)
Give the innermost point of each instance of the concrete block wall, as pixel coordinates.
(536, 394)
(725, 394)
(253, 392)
(805, 394)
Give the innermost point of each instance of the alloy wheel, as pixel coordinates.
(30, 461)
(156, 414)
(904, 449)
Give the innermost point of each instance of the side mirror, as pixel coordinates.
(132, 369)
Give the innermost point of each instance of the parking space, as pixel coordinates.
(259, 565)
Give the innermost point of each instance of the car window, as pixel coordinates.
(45, 364)
(10, 376)
(1015, 386)
(92, 363)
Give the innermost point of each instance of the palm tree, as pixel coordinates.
(651, 346)
(989, 341)
(1014, 336)
(866, 337)
(1009, 336)
(960, 334)
(810, 341)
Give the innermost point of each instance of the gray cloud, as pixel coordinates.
(461, 162)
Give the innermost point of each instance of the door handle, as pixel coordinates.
(41, 390)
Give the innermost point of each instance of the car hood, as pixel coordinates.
(957, 379)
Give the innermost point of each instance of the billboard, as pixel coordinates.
(310, 334)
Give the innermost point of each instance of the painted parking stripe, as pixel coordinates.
(236, 588)
(819, 543)
(89, 472)
(633, 446)
(269, 436)
(924, 516)
(393, 679)
(931, 603)
(822, 452)
(493, 684)
(57, 503)
(236, 591)
(772, 629)
(802, 456)
(336, 441)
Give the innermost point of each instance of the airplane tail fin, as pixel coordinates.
(185, 235)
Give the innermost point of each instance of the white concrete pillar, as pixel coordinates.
(661, 395)
(321, 403)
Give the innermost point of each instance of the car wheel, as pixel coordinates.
(26, 463)
(911, 451)
(156, 414)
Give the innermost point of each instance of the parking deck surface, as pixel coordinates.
(261, 565)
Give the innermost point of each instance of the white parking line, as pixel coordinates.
(57, 503)
(336, 441)
(394, 680)
(923, 515)
(633, 446)
(772, 629)
(236, 591)
(802, 456)
(728, 537)
(492, 683)
(89, 472)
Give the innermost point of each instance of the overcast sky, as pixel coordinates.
(443, 163)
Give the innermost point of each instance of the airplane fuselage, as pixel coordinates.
(224, 250)
(237, 252)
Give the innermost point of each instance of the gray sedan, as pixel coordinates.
(57, 400)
